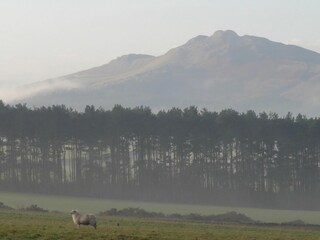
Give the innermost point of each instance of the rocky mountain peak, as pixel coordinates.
(225, 34)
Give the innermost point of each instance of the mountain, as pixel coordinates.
(219, 71)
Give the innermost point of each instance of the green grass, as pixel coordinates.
(34, 225)
(65, 204)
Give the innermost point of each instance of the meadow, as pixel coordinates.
(18, 225)
(65, 204)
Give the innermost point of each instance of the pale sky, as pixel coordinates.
(42, 39)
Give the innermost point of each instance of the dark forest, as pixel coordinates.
(176, 155)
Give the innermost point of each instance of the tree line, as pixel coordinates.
(177, 155)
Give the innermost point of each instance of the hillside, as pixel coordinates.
(219, 71)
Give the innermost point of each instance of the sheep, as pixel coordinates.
(84, 219)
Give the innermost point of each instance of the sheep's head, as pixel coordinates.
(74, 212)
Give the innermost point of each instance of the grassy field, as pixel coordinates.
(65, 204)
(15, 225)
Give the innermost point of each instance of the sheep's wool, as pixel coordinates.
(74, 218)
(85, 219)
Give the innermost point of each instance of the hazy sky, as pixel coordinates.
(41, 39)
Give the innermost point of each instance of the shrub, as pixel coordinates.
(131, 212)
(3, 206)
(232, 217)
(297, 222)
(175, 216)
(34, 208)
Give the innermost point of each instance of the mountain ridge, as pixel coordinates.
(223, 70)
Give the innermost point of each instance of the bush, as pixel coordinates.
(3, 206)
(175, 216)
(297, 222)
(131, 212)
(232, 217)
(34, 208)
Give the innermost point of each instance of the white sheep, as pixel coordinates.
(84, 219)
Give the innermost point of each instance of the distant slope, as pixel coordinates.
(220, 71)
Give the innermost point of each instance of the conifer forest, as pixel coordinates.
(186, 155)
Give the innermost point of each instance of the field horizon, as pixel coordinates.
(16, 224)
(65, 204)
